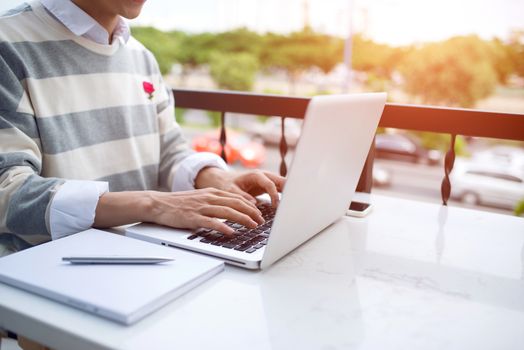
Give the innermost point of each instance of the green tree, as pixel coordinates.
(162, 44)
(194, 51)
(239, 40)
(214, 118)
(379, 60)
(326, 51)
(516, 51)
(501, 59)
(456, 72)
(180, 114)
(300, 51)
(235, 71)
(519, 208)
(197, 50)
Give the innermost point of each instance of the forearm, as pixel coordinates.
(121, 208)
(211, 177)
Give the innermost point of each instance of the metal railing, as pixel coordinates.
(452, 121)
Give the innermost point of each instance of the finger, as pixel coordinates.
(229, 214)
(269, 186)
(278, 180)
(235, 193)
(241, 206)
(244, 194)
(214, 224)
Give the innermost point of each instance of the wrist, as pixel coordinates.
(146, 206)
(121, 208)
(209, 177)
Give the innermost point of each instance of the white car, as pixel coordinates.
(271, 130)
(506, 156)
(481, 183)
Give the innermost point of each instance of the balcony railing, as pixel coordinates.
(452, 121)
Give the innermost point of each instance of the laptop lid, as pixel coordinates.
(336, 137)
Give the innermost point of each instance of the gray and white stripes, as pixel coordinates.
(73, 109)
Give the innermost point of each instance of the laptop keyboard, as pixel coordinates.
(243, 239)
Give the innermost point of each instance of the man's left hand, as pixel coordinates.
(249, 184)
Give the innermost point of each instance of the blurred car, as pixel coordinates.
(270, 132)
(404, 147)
(480, 183)
(506, 156)
(239, 147)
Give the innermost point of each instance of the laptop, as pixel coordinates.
(336, 137)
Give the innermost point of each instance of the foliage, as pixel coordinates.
(516, 52)
(214, 118)
(180, 115)
(461, 147)
(194, 51)
(321, 92)
(500, 56)
(301, 51)
(283, 53)
(235, 71)
(239, 40)
(163, 45)
(519, 208)
(198, 49)
(456, 72)
(377, 59)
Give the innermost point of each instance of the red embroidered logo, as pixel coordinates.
(148, 88)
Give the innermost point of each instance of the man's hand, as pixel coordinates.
(247, 185)
(222, 194)
(187, 209)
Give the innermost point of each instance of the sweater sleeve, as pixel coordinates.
(24, 194)
(179, 165)
(174, 147)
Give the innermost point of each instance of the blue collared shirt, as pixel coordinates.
(81, 24)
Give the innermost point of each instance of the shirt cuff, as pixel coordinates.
(73, 207)
(187, 171)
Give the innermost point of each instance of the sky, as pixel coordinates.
(395, 22)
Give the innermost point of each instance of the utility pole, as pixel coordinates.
(305, 8)
(348, 50)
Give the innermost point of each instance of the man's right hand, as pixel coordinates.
(187, 209)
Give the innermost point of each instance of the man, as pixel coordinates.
(83, 109)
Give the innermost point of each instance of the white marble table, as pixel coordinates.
(409, 276)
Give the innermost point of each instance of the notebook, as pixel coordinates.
(336, 137)
(122, 293)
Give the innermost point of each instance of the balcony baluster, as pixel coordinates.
(283, 148)
(223, 136)
(445, 188)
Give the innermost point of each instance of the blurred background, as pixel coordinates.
(467, 53)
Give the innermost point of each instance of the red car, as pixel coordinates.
(239, 148)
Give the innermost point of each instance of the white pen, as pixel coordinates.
(115, 259)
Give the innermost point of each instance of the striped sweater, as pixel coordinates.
(74, 109)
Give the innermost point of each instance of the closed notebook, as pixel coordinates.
(123, 293)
